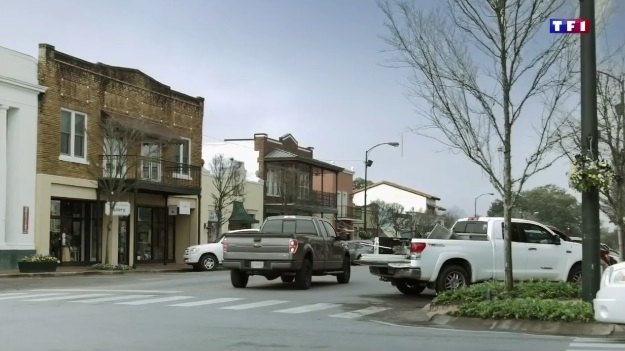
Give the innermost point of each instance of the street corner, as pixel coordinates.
(524, 326)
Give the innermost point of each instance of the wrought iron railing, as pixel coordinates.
(150, 170)
(309, 198)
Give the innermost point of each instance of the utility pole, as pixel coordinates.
(590, 136)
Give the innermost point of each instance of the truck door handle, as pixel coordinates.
(532, 249)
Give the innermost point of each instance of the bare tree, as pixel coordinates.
(229, 180)
(480, 67)
(115, 170)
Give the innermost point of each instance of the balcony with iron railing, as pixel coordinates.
(303, 198)
(152, 174)
(349, 212)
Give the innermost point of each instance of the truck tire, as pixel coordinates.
(238, 278)
(287, 278)
(575, 275)
(208, 262)
(409, 287)
(451, 278)
(303, 277)
(343, 278)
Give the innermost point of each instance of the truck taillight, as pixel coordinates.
(224, 244)
(417, 248)
(292, 246)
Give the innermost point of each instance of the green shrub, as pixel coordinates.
(486, 291)
(528, 309)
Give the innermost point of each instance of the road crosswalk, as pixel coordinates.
(128, 298)
(597, 344)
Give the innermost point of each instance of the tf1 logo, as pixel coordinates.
(569, 26)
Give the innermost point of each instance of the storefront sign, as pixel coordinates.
(121, 209)
(184, 208)
(25, 220)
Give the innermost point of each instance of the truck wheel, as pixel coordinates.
(343, 278)
(409, 287)
(575, 275)
(452, 278)
(238, 278)
(303, 278)
(208, 262)
(287, 278)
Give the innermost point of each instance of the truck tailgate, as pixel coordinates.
(377, 259)
(263, 246)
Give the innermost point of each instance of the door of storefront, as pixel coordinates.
(155, 235)
(123, 241)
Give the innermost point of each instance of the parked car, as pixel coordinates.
(207, 257)
(609, 304)
(358, 247)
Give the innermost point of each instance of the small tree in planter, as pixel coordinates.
(37, 263)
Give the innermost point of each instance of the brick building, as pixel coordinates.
(294, 182)
(157, 216)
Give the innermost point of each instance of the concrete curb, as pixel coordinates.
(437, 315)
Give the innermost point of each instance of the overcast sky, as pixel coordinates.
(310, 68)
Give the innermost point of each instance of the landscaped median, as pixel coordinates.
(534, 306)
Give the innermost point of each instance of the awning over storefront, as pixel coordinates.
(144, 125)
(240, 216)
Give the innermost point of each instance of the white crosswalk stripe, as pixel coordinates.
(154, 300)
(70, 297)
(309, 308)
(590, 344)
(254, 305)
(15, 297)
(207, 302)
(126, 297)
(114, 298)
(360, 313)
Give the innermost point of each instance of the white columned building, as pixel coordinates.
(19, 90)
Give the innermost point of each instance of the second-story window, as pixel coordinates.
(183, 156)
(303, 186)
(73, 136)
(273, 178)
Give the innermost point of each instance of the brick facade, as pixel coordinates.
(91, 88)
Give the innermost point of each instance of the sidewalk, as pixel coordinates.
(87, 270)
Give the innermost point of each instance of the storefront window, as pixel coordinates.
(73, 231)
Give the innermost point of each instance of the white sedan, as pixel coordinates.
(609, 304)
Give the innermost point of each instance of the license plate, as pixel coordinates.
(257, 264)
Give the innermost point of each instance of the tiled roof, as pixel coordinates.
(277, 153)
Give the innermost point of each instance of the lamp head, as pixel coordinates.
(394, 143)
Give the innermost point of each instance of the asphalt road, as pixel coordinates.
(201, 311)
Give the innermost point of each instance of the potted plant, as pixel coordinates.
(37, 263)
(587, 173)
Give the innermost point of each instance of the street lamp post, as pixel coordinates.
(368, 164)
(475, 202)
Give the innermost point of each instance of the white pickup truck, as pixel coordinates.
(473, 251)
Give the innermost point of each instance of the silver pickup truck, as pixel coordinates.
(293, 248)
